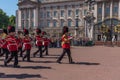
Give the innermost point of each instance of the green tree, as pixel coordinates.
(4, 19)
(12, 20)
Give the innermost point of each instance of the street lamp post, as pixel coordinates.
(89, 19)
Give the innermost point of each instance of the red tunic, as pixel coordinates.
(19, 42)
(12, 43)
(26, 43)
(38, 40)
(46, 41)
(65, 42)
(1, 42)
(4, 44)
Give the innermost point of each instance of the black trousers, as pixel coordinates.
(68, 54)
(39, 50)
(45, 49)
(27, 55)
(6, 52)
(13, 54)
(20, 50)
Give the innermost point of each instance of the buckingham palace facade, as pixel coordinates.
(107, 13)
(50, 15)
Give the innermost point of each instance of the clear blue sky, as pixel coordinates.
(9, 6)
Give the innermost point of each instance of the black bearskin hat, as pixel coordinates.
(11, 29)
(65, 29)
(38, 30)
(26, 32)
(5, 31)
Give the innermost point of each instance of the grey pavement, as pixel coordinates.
(91, 63)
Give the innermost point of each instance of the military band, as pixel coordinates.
(13, 44)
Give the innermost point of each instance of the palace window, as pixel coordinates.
(41, 15)
(32, 14)
(54, 23)
(27, 24)
(32, 24)
(62, 23)
(85, 12)
(115, 9)
(48, 23)
(107, 9)
(77, 11)
(99, 12)
(62, 13)
(69, 13)
(55, 14)
(69, 23)
(27, 14)
(48, 14)
(22, 22)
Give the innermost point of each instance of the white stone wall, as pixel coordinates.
(62, 7)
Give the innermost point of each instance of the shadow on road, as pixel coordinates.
(82, 63)
(86, 63)
(44, 62)
(35, 67)
(19, 76)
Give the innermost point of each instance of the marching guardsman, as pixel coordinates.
(12, 47)
(45, 43)
(4, 44)
(1, 42)
(26, 45)
(19, 41)
(65, 45)
(38, 42)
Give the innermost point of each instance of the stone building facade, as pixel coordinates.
(50, 15)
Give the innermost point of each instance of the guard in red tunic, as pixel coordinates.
(1, 42)
(26, 45)
(19, 41)
(45, 43)
(38, 42)
(65, 45)
(12, 46)
(4, 44)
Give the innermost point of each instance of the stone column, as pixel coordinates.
(36, 17)
(119, 10)
(19, 25)
(95, 12)
(111, 5)
(103, 11)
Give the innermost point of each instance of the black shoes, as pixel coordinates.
(16, 66)
(72, 62)
(5, 64)
(58, 62)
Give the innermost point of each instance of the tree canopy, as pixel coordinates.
(5, 20)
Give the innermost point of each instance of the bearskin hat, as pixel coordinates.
(26, 32)
(11, 29)
(65, 29)
(5, 31)
(38, 30)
